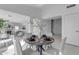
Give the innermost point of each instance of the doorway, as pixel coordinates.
(56, 30)
(56, 25)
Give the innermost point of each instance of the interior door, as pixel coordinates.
(72, 28)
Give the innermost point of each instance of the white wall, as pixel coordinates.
(24, 9)
(70, 28)
(51, 11)
(47, 26)
(15, 17)
(54, 10)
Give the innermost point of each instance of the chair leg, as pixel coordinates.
(28, 45)
(51, 45)
(60, 53)
(45, 47)
(31, 46)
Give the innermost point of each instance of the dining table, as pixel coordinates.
(39, 44)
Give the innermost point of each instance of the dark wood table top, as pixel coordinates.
(40, 42)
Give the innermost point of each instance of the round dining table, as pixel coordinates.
(39, 44)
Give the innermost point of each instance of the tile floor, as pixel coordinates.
(68, 49)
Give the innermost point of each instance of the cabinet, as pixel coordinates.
(70, 28)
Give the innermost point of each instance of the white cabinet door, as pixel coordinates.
(71, 28)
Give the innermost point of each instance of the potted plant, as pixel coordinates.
(2, 23)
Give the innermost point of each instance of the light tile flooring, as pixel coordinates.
(56, 45)
(68, 50)
(71, 50)
(57, 41)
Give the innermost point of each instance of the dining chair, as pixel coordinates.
(47, 38)
(31, 41)
(62, 46)
(55, 51)
(18, 48)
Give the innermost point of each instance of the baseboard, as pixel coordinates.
(72, 44)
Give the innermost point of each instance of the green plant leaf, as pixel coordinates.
(2, 22)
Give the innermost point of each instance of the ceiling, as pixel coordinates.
(24, 9)
(36, 5)
(33, 10)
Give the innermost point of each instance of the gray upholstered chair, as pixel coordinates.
(18, 48)
(55, 51)
(62, 46)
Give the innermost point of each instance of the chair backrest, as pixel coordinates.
(17, 46)
(49, 34)
(27, 35)
(62, 45)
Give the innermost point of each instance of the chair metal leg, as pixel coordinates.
(40, 49)
(45, 47)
